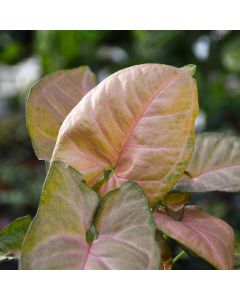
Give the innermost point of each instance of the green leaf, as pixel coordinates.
(209, 237)
(62, 235)
(231, 55)
(11, 237)
(50, 101)
(215, 165)
(137, 118)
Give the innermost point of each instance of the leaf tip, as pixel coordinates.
(190, 68)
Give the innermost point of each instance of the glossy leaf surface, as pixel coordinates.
(209, 237)
(58, 237)
(139, 122)
(215, 165)
(50, 101)
(11, 237)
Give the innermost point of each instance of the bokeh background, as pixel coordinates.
(26, 56)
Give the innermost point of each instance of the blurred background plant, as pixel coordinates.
(26, 56)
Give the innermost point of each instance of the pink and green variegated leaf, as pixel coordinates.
(50, 101)
(126, 232)
(207, 236)
(215, 165)
(57, 238)
(140, 123)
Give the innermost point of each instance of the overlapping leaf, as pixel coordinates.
(126, 232)
(11, 237)
(57, 238)
(215, 165)
(139, 122)
(50, 101)
(209, 237)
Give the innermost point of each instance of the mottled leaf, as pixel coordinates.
(126, 232)
(58, 238)
(215, 165)
(50, 101)
(209, 237)
(11, 237)
(139, 122)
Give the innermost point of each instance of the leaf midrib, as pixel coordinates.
(169, 83)
(210, 171)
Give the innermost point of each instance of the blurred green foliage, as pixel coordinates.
(61, 49)
(231, 55)
(27, 55)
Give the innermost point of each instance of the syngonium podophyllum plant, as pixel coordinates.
(122, 160)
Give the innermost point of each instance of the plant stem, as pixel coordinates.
(180, 255)
(165, 237)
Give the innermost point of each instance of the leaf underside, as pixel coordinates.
(138, 122)
(50, 101)
(57, 237)
(214, 166)
(207, 236)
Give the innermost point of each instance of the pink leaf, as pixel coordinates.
(50, 101)
(209, 237)
(139, 122)
(57, 236)
(215, 165)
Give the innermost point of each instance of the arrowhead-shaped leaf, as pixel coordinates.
(57, 238)
(126, 232)
(215, 165)
(138, 122)
(11, 237)
(50, 101)
(209, 237)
